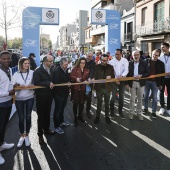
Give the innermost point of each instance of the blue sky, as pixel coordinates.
(68, 10)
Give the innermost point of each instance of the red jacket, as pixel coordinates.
(77, 73)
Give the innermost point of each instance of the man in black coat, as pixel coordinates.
(103, 71)
(137, 69)
(91, 66)
(60, 93)
(155, 67)
(43, 77)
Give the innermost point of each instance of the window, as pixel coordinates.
(143, 16)
(104, 3)
(159, 11)
(129, 27)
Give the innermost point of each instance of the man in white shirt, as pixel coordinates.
(6, 92)
(165, 58)
(120, 66)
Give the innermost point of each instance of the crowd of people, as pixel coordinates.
(86, 68)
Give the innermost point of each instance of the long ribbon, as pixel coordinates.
(91, 82)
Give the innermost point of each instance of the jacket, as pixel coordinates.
(33, 64)
(42, 78)
(159, 68)
(77, 73)
(101, 73)
(91, 65)
(142, 70)
(59, 76)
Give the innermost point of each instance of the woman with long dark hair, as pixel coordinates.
(79, 74)
(24, 99)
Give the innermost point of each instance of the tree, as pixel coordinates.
(10, 15)
(15, 43)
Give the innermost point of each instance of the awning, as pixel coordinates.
(152, 38)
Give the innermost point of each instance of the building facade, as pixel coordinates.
(152, 24)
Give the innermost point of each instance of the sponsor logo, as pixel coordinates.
(114, 26)
(113, 41)
(99, 15)
(50, 14)
(30, 43)
(29, 25)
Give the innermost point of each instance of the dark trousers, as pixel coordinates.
(162, 101)
(43, 104)
(24, 107)
(81, 108)
(60, 103)
(121, 88)
(88, 102)
(4, 117)
(100, 94)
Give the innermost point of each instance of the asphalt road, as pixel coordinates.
(121, 145)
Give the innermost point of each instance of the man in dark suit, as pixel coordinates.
(155, 67)
(43, 77)
(137, 69)
(61, 93)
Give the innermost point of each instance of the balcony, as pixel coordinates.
(156, 27)
(128, 37)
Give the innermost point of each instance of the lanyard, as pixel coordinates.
(25, 80)
(166, 59)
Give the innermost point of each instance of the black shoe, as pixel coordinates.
(108, 120)
(75, 122)
(81, 119)
(145, 111)
(122, 116)
(154, 115)
(150, 99)
(41, 140)
(97, 120)
(49, 132)
(112, 115)
(89, 115)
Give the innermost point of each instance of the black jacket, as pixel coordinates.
(42, 78)
(59, 76)
(159, 68)
(33, 64)
(101, 73)
(91, 65)
(142, 70)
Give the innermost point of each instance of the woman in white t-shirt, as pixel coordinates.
(24, 99)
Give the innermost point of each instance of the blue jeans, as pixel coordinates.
(60, 104)
(151, 85)
(24, 106)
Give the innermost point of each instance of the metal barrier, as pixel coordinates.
(14, 69)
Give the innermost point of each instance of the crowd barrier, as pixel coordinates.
(14, 69)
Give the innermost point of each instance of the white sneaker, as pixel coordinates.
(161, 111)
(59, 130)
(5, 146)
(27, 141)
(2, 160)
(20, 142)
(168, 111)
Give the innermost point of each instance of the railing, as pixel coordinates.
(154, 27)
(128, 37)
(14, 69)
